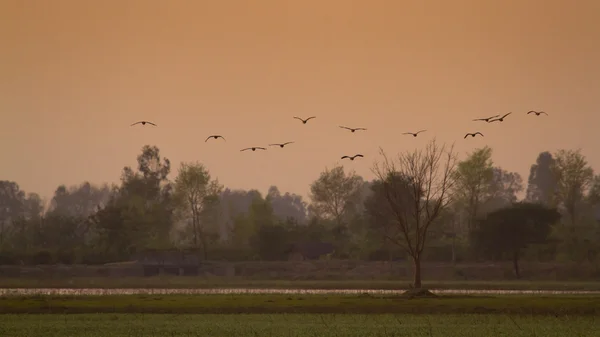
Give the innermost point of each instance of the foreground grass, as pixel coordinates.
(294, 325)
(200, 282)
(301, 304)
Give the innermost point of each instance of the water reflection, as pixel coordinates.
(162, 291)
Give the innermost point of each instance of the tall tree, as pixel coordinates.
(287, 205)
(573, 178)
(12, 206)
(79, 201)
(198, 196)
(140, 213)
(503, 189)
(233, 204)
(334, 193)
(474, 177)
(509, 230)
(542, 181)
(417, 189)
(593, 197)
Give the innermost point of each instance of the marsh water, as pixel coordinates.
(191, 291)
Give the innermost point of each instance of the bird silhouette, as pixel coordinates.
(281, 145)
(253, 148)
(351, 129)
(305, 120)
(143, 123)
(473, 134)
(500, 119)
(537, 113)
(487, 119)
(214, 136)
(352, 157)
(414, 133)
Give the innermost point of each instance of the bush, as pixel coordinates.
(42, 257)
(8, 258)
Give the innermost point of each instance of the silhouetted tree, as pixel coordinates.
(79, 201)
(503, 189)
(416, 189)
(509, 230)
(288, 205)
(542, 181)
(12, 206)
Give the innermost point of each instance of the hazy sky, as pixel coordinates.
(75, 74)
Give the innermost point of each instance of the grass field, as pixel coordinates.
(89, 325)
(301, 304)
(200, 282)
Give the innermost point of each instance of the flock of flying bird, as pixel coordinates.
(490, 119)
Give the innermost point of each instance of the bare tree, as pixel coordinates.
(416, 189)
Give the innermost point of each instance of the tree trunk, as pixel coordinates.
(195, 228)
(204, 249)
(454, 242)
(516, 265)
(417, 271)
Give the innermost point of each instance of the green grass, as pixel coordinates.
(301, 304)
(294, 325)
(200, 282)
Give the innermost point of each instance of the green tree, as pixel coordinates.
(139, 215)
(593, 197)
(573, 178)
(474, 177)
(12, 206)
(197, 197)
(503, 189)
(79, 201)
(416, 191)
(508, 231)
(333, 195)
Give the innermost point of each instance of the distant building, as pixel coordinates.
(169, 261)
(310, 250)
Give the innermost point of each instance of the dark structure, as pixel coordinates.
(309, 250)
(183, 262)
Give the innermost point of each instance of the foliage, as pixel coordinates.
(364, 220)
(542, 181)
(197, 198)
(573, 178)
(508, 231)
(333, 195)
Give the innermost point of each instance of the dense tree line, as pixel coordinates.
(422, 205)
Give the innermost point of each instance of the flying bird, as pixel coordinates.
(143, 123)
(351, 129)
(352, 157)
(500, 119)
(305, 120)
(414, 133)
(214, 136)
(473, 134)
(281, 145)
(537, 113)
(486, 119)
(253, 148)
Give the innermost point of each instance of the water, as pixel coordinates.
(162, 291)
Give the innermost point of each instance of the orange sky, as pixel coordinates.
(75, 74)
